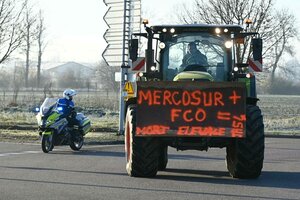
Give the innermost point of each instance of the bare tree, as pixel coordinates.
(17, 83)
(106, 76)
(276, 28)
(280, 42)
(41, 45)
(48, 89)
(230, 12)
(11, 34)
(5, 78)
(30, 33)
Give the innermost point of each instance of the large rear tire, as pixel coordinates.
(163, 158)
(141, 152)
(245, 156)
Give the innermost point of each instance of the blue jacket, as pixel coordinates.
(66, 106)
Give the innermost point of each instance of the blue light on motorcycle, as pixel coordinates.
(37, 109)
(59, 108)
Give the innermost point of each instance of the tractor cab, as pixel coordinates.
(197, 52)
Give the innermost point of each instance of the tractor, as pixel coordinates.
(194, 102)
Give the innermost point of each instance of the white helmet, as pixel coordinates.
(69, 93)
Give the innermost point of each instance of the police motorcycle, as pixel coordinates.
(55, 129)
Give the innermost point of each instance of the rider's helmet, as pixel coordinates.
(69, 93)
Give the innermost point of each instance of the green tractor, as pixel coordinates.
(194, 95)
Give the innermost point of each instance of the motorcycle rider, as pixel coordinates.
(66, 106)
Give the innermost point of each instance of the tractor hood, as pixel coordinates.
(193, 76)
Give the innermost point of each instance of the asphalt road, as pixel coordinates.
(98, 172)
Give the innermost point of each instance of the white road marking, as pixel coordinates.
(57, 149)
(18, 153)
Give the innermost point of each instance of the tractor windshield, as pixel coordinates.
(196, 52)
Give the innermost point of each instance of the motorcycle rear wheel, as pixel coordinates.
(76, 142)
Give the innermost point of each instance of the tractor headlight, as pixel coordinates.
(218, 31)
(162, 45)
(228, 44)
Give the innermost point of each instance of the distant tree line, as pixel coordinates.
(106, 76)
(22, 30)
(8, 80)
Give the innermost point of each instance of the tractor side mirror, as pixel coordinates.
(149, 59)
(133, 49)
(257, 48)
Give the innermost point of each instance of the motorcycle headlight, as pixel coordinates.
(45, 109)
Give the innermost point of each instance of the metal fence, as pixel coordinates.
(34, 97)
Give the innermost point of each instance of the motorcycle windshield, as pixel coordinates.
(48, 104)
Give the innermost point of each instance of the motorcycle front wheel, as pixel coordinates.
(76, 142)
(47, 144)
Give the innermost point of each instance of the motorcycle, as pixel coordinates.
(56, 130)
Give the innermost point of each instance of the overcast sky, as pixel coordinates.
(75, 28)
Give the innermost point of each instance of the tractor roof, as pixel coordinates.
(199, 28)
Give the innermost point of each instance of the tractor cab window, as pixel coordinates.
(200, 52)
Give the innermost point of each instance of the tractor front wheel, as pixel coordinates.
(245, 156)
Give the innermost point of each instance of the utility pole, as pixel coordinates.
(122, 18)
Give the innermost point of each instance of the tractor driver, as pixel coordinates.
(194, 57)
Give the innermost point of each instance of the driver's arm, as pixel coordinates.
(184, 63)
